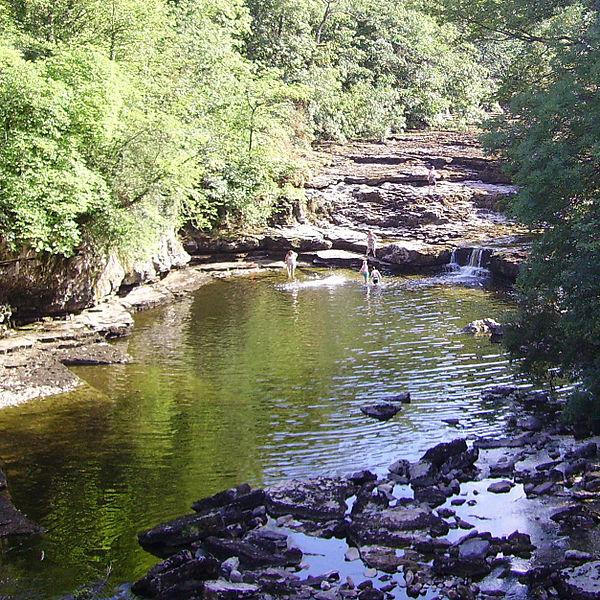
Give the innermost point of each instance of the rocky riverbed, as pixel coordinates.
(515, 517)
(383, 187)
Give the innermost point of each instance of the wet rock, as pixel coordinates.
(454, 565)
(390, 527)
(380, 558)
(226, 590)
(403, 398)
(500, 487)
(517, 544)
(242, 497)
(542, 489)
(99, 353)
(168, 538)
(483, 326)
(507, 263)
(251, 555)
(382, 411)
(13, 522)
(589, 450)
(422, 473)
(352, 554)
(362, 477)
(401, 468)
(580, 583)
(371, 594)
(441, 453)
(576, 516)
(488, 444)
(578, 556)
(168, 578)
(430, 495)
(530, 424)
(317, 499)
(503, 467)
(474, 549)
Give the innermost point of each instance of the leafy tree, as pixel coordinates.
(550, 138)
(45, 185)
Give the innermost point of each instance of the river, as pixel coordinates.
(252, 380)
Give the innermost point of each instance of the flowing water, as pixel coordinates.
(250, 380)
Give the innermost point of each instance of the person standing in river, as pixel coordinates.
(375, 276)
(432, 176)
(364, 270)
(290, 263)
(371, 241)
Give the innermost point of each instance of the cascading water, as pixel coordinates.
(469, 264)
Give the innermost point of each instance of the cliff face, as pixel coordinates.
(36, 285)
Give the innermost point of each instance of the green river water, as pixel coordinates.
(249, 380)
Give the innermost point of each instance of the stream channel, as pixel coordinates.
(251, 379)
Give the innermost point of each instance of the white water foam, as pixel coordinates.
(331, 281)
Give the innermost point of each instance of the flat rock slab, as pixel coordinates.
(394, 527)
(34, 375)
(581, 583)
(99, 353)
(319, 498)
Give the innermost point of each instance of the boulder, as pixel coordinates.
(500, 487)
(440, 453)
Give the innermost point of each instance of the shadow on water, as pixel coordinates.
(249, 380)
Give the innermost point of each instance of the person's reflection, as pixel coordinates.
(295, 309)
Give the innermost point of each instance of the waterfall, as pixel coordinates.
(469, 264)
(476, 257)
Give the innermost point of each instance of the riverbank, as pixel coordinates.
(472, 519)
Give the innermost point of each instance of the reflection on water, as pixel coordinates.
(250, 380)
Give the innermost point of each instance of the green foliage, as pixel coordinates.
(582, 412)
(45, 184)
(375, 67)
(550, 138)
(247, 188)
(127, 118)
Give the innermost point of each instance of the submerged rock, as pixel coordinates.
(382, 411)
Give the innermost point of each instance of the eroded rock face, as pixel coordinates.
(43, 285)
(39, 285)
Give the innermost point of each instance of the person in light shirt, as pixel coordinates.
(290, 263)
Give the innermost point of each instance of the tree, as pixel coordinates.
(550, 138)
